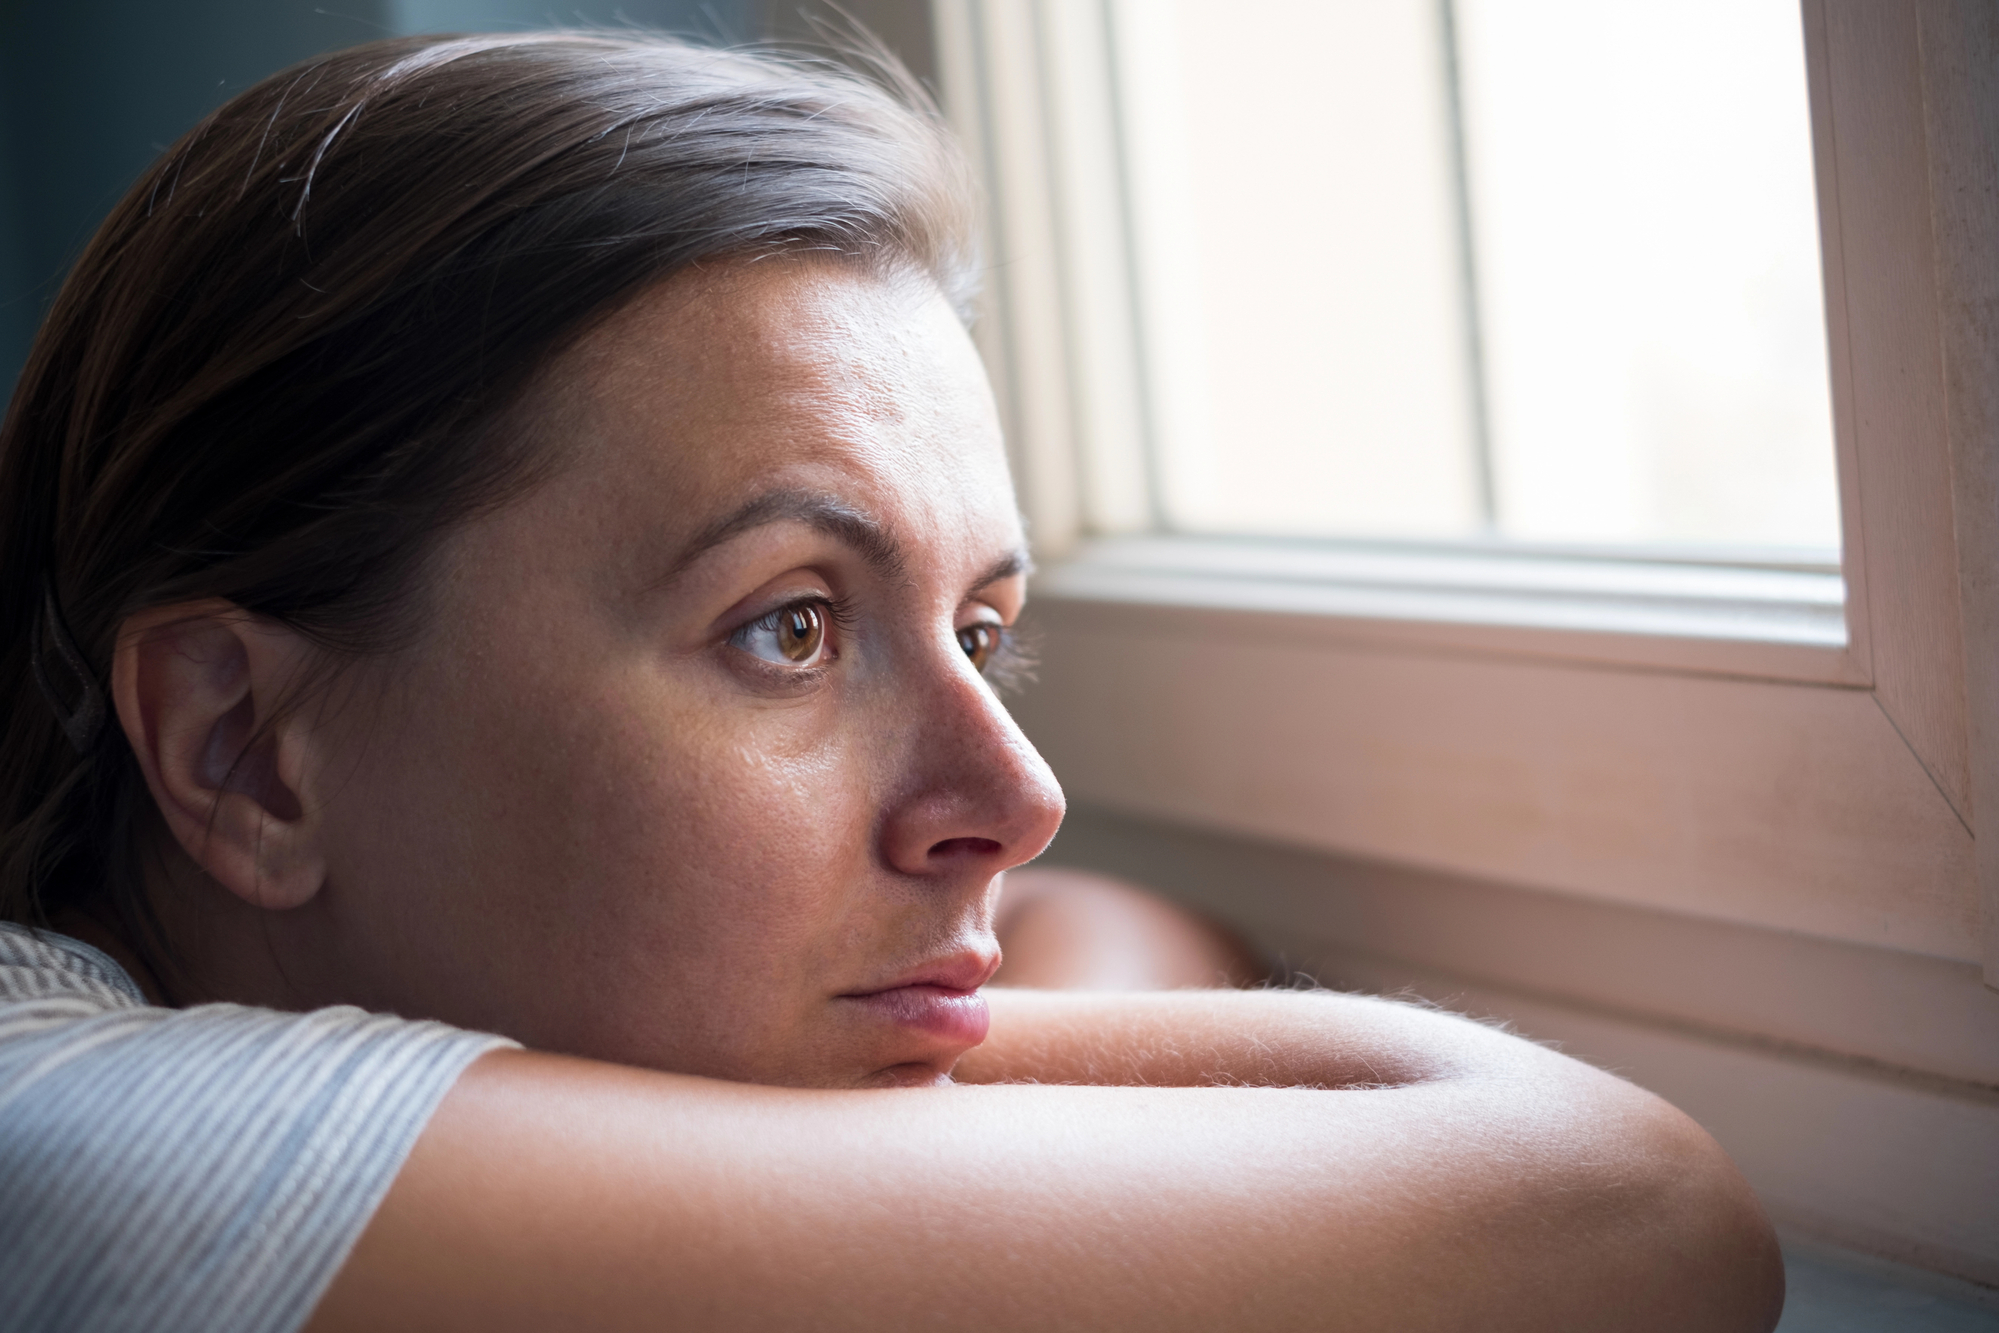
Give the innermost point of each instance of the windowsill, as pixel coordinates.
(1780, 618)
(1832, 1290)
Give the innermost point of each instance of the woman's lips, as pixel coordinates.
(939, 999)
(951, 1015)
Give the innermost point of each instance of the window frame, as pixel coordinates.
(1808, 787)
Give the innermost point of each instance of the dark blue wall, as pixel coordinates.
(91, 91)
(17, 306)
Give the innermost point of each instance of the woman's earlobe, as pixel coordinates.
(200, 690)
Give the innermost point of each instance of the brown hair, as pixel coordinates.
(273, 376)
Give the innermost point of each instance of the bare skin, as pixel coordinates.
(1062, 929)
(1496, 1186)
(693, 786)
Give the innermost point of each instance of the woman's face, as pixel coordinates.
(696, 767)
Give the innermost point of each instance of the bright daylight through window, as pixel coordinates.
(1543, 270)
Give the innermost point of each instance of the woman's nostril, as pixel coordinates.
(957, 847)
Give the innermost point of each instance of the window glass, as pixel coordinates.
(1541, 269)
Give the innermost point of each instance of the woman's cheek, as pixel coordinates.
(802, 808)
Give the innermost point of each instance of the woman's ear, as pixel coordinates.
(198, 688)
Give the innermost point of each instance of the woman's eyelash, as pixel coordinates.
(1011, 667)
(838, 610)
(798, 638)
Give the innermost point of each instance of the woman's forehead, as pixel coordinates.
(722, 385)
(747, 339)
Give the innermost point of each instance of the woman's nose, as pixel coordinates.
(974, 797)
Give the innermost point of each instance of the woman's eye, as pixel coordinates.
(980, 642)
(790, 636)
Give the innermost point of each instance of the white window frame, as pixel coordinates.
(1727, 741)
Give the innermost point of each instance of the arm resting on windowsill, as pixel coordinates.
(1072, 930)
(1454, 1178)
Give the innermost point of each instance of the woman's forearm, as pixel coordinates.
(1492, 1185)
(1270, 1038)
(1070, 929)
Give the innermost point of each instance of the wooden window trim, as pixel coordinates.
(1830, 791)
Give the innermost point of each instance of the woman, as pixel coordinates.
(511, 534)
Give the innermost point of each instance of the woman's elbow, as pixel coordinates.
(1613, 1209)
(1692, 1246)
(1734, 1273)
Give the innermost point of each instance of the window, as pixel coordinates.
(1630, 705)
(1545, 269)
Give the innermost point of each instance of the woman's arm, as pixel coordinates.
(1068, 929)
(1320, 1040)
(1492, 1184)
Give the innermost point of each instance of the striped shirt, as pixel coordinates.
(204, 1168)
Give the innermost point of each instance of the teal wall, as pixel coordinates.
(91, 91)
(17, 303)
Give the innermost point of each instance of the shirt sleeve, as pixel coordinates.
(205, 1168)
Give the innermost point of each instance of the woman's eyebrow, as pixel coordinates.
(866, 534)
(1016, 561)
